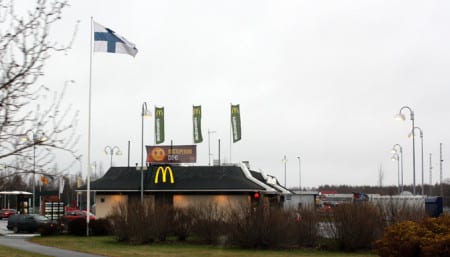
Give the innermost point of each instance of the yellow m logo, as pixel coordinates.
(235, 109)
(164, 171)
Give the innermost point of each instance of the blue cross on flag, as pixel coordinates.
(106, 40)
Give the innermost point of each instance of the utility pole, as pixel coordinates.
(285, 161)
(440, 168)
(431, 178)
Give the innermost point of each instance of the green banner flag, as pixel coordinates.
(236, 122)
(159, 125)
(197, 123)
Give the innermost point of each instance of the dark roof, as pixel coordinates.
(186, 178)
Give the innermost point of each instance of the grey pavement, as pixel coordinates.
(20, 241)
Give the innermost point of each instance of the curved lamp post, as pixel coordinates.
(400, 150)
(111, 151)
(421, 146)
(400, 116)
(145, 113)
(395, 157)
(37, 138)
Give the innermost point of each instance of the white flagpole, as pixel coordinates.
(88, 200)
(231, 132)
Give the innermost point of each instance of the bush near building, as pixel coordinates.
(356, 226)
(348, 227)
(427, 238)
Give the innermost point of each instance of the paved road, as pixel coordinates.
(19, 241)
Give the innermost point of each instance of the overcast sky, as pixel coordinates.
(317, 79)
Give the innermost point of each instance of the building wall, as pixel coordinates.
(223, 201)
(105, 203)
(297, 201)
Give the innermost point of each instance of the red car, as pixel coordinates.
(5, 213)
(72, 215)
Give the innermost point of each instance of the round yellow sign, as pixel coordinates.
(158, 154)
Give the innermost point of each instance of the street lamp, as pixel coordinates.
(145, 113)
(395, 157)
(284, 161)
(400, 116)
(79, 179)
(400, 150)
(421, 146)
(209, 146)
(37, 137)
(299, 175)
(111, 151)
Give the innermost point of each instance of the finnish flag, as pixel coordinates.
(106, 40)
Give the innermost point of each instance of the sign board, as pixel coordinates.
(172, 154)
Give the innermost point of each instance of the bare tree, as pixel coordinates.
(32, 128)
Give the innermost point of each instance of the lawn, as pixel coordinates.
(109, 247)
(11, 252)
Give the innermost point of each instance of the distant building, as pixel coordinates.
(301, 199)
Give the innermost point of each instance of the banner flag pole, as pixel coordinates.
(231, 131)
(88, 200)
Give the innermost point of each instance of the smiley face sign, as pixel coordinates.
(158, 154)
(171, 153)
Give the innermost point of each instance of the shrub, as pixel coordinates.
(400, 240)
(118, 222)
(428, 238)
(306, 229)
(161, 218)
(138, 223)
(100, 227)
(260, 227)
(398, 210)
(183, 223)
(77, 227)
(208, 221)
(356, 226)
(48, 229)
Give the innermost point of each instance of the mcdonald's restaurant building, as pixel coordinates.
(183, 186)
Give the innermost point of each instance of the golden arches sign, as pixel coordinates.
(164, 171)
(235, 109)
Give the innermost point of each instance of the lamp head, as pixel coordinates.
(147, 113)
(400, 116)
(43, 138)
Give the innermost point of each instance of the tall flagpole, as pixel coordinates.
(88, 200)
(231, 132)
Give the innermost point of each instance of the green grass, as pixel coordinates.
(108, 246)
(11, 252)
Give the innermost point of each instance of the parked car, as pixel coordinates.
(77, 214)
(29, 222)
(71, 216)
(5, 213)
